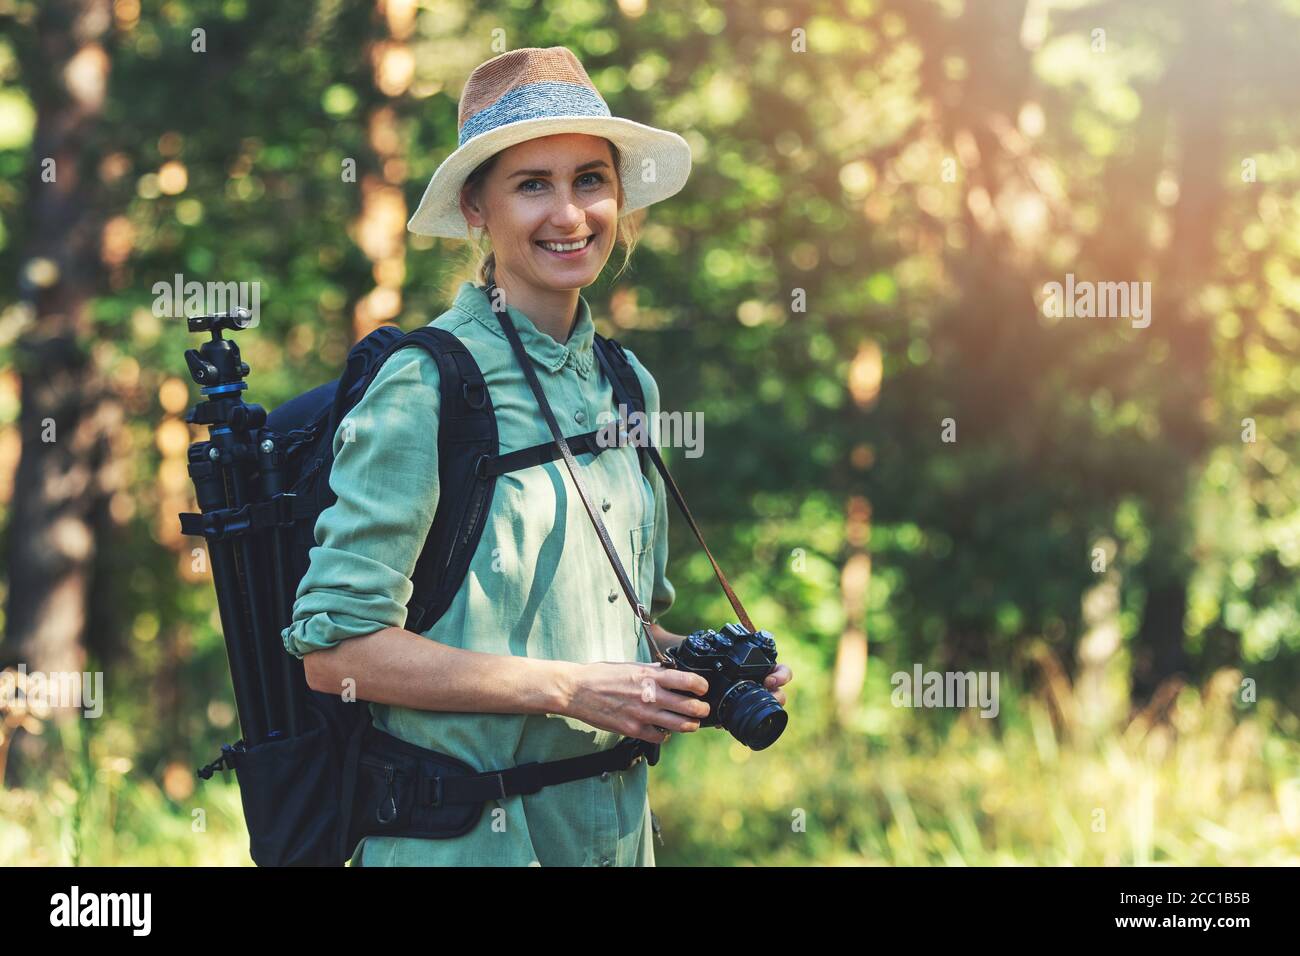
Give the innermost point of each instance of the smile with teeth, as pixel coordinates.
(566, 246)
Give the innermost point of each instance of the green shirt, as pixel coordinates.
(539, 584)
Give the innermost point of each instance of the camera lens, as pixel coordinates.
(752, 715)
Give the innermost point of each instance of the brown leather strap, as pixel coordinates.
(626, 399)
(642, 615)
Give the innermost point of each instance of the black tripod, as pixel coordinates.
(245, 516)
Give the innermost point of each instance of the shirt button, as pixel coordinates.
(604, 775)
(604, 861)
(580, 416)
(613, 596)
(604, 504)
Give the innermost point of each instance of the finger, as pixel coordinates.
(667, 720)
(651, 735)
(781, 675)
(682, 681)
(681, 704)
(779, 697)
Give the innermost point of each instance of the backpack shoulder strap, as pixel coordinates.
(467, 438)
(615, 357)
(611, 354)
(364, 360)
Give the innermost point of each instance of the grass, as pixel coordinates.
(1063, 776)
(1197, 779)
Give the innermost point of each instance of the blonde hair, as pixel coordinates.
(480, 264)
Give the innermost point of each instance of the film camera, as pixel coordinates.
(735, 661)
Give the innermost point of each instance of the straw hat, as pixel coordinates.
(534, 92)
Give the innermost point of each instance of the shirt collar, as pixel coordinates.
(542, 348)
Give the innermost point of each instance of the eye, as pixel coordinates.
(596, 179)
(523, 187)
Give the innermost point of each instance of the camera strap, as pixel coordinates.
(642, 615)
(621, 393)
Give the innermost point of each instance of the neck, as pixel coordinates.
(553, 311)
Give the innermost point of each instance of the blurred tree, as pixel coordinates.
(881, 188)
(69, 414)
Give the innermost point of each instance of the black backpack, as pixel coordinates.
(262, 481)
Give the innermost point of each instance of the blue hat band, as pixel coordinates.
(534, 101)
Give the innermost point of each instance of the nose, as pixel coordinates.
(567, 214)
(568, 217)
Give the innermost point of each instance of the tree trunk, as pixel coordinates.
(67, 413)
(380, 227)
(1198, 93)
(855, 578)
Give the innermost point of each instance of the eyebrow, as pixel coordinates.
(594, 164)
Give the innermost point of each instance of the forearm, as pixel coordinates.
(396, 666)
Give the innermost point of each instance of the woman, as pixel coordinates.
(539, 657)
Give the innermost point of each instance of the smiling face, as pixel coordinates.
(550, 206)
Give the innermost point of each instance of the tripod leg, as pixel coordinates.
(292, 689)
(243, 672)
(287, 674)
(254, 573)
(251, 565)
(210, 494)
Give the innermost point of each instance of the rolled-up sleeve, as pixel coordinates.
(662, 596)
(385, 475)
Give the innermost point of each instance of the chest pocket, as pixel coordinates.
(642, 570)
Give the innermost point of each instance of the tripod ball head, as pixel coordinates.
(217, 361)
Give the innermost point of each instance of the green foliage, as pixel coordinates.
(1036, 787)
(822, 177)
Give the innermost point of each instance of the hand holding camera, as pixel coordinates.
(736, 664)
(727, 678)
(645, 701)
